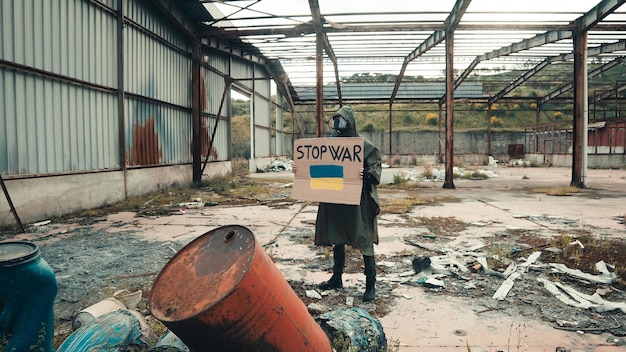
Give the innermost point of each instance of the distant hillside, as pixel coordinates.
(516, 111)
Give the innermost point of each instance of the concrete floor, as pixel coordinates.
(419, 320)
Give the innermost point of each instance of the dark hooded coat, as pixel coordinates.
(354, 225)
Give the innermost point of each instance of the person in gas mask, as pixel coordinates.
(354, 225)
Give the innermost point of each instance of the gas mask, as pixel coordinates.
(340, 124)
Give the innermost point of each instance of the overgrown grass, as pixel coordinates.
(402, 205)
(579, 249)
(557, 191)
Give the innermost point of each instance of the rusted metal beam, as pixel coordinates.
(196, 150)
(319, 68)
(300, 30)
(449, 177)
(538, 40)
(450, 24)
(121, 129)
(597, 14)
(390, 129)
(591, 74)
(331, 54)
(489, 129)
(227, 83)
(583, 24)
(580, 110)
(171, 9)
(452, 21)
(281, 79)
(318, 23)
(609, 93)
(8, 197)
(430, 42)
(607, 48)
(528, 74)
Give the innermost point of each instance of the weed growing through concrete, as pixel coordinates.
(428, 171)
(398, 179)
(557, 191)
(577, 249)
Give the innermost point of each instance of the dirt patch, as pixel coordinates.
(91, 265)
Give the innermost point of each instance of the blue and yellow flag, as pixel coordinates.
(326, 177)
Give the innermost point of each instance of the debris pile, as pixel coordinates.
(462, 271)
(280, 165)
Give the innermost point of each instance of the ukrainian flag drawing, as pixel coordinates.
(326, 177)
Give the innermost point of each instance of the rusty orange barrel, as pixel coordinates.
(222, 292)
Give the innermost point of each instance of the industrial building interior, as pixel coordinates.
(133, 97)
(320, 44)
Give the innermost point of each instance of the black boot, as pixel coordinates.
(339, 256)
(370, 278)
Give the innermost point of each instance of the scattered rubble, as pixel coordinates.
(279, 165)
(525, 275)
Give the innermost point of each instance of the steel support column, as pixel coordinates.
(537, 121)
(120, 94)
(449, 179)
(319, 86)
(579, 149)
(390, 129)
(488, 129)
(195, 112)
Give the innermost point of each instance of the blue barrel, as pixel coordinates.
(27, 291)
(117, 331)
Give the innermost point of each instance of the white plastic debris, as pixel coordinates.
(512, 268)
(555, 289)
(574, 298)
(130, 299)
(431, 282)
(41, 223)
(531, 260)
(439, 263)
(506, 286)
(483, 262)
(317, 308)
(313, 294)
(604, 278)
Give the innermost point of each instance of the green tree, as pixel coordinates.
(241, 136)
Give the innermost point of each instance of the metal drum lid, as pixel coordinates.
(201, 274)
(17, 253)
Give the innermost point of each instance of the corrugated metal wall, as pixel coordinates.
(60, 97)
(262, 115)
(157, 66)
(215, 123)
(58, 106)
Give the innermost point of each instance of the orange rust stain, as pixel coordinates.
(145, 147)
(205, 137)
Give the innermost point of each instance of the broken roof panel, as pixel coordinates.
(377, 37)
(382, 91)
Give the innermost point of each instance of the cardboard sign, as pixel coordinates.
(327, 169)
